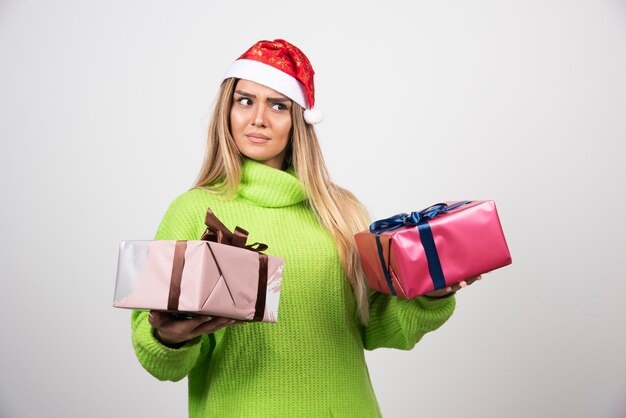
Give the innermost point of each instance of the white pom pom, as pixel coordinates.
(313, 116)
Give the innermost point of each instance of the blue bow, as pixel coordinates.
(415, 219)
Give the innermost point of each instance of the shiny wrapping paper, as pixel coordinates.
(217, 279)
(219, 275)
(441, 248)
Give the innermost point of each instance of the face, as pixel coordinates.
(260, 122)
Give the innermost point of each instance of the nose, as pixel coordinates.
(258, 118)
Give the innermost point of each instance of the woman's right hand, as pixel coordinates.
(172, 330)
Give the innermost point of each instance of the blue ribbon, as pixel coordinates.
(419, 219)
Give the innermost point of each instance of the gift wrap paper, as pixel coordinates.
(215, 279)
(443, 248)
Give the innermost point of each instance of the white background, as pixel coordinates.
(103, 114)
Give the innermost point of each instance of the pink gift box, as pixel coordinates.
(216, 279)
(409, 255)
(226, 278)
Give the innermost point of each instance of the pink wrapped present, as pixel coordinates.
(409, 255)
(226, 278)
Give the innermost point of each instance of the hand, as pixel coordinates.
(451, 289)
(171, 330)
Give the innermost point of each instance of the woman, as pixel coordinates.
(264, 170)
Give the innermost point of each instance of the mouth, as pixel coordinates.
(257, 138)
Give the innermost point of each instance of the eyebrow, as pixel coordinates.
(271, 99)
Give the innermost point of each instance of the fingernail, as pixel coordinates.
(462, 285)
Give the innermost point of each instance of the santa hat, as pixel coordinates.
(280, 66)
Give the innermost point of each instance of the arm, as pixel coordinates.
(163, 362)
(401, 323)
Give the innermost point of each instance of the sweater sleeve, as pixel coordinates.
(401, 323)
(164, 363)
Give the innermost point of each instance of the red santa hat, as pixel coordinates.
(281, 66)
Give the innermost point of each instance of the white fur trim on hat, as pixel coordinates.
(313, 116)
(270, 77)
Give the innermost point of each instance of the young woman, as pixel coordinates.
(264, 170)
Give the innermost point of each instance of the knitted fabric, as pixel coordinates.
(311, 362)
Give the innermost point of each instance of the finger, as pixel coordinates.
(440, 292)
(224, 325)
(155, 319)
(159, 318)
(473, 279)
(212, 326)
(178, 330)
(165, 320)
(198, 320)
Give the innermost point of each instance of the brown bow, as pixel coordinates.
(217, 232)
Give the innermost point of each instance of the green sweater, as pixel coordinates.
(311, 362)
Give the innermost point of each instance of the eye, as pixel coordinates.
(244, 101)
(280, 106)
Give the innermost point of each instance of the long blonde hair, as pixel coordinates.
(336, 208)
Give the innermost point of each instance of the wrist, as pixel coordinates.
(166, 343)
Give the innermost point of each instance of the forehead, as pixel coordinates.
(258, 89)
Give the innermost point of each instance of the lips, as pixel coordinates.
(257, 138)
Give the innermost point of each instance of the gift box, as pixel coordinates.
(408, 255)
(218, 275)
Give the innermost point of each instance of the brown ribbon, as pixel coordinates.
(176, 278)
(217, 232)
(259, 307)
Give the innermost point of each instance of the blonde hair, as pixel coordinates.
(336, 208)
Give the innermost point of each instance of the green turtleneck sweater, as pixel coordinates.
(311, 362)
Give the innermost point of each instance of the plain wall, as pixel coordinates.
(103, 113)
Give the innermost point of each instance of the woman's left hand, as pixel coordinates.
(451, 289)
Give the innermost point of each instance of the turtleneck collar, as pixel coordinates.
(269, 187)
